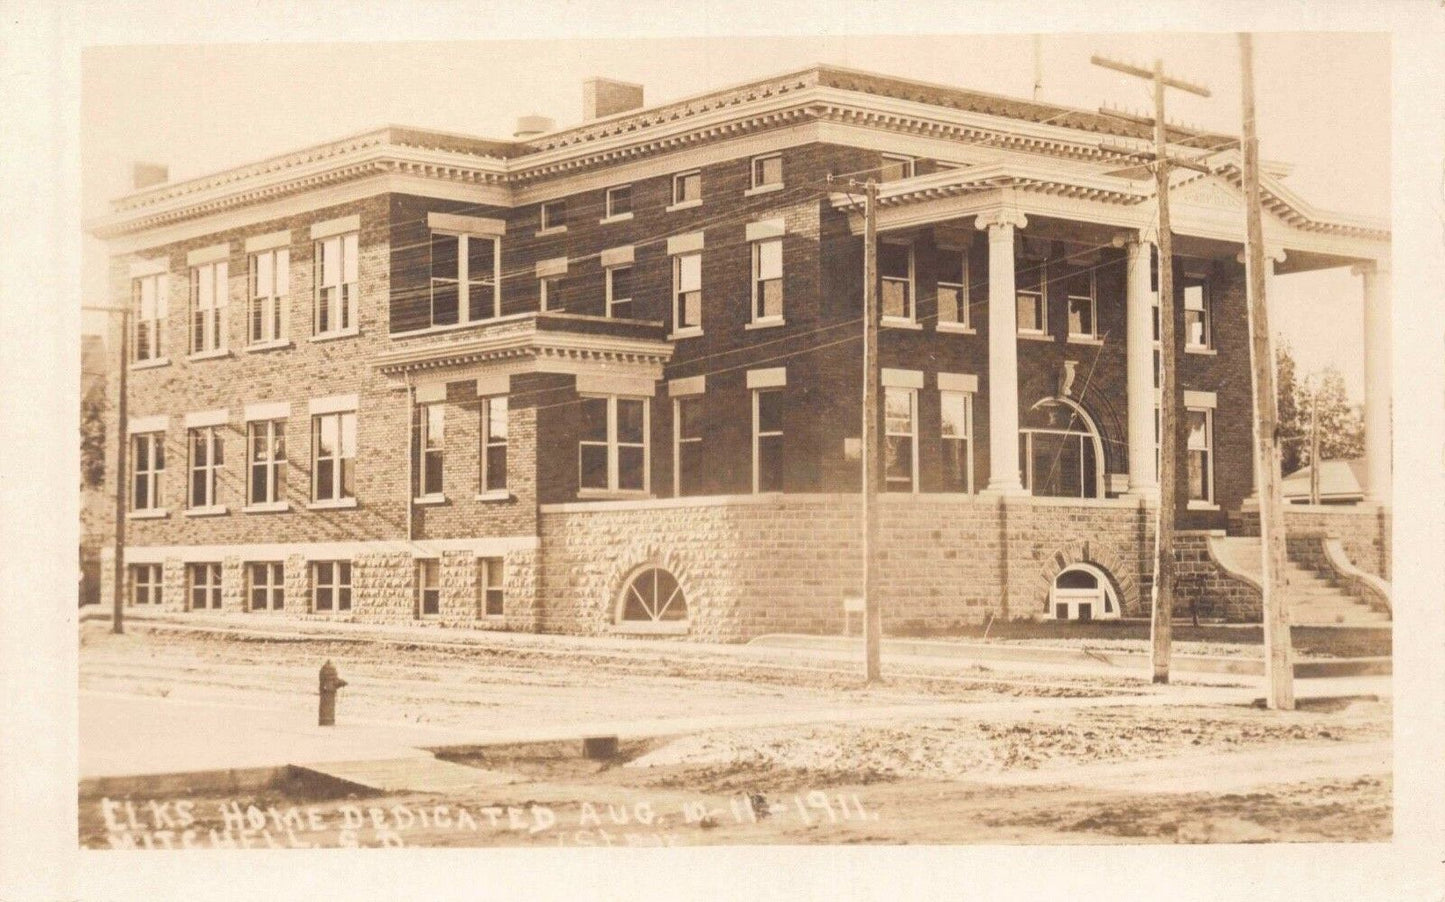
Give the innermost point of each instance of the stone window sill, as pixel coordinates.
(620, 217)
(1035, 336)
(1207, 352)
(1085, 340)
(214, 510)
(763, 189)
(424, 500)
(1197, 505)
(652, 628)
(899, 322)
(268, 507)
(957, 328)
(683, 205)
(690, 332)
(151, 364)
(769, 322)
(611, 495)
(494, 495)
(331, 504)
(332, 336)
(152, 513)
(268, 346)
(553, 230)
(215, 354)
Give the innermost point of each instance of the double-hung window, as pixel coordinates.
(768, 280)
(953, 289)
(1033, 309)
(145, 583)
(333, 456)
(330, 586)
(1201, 454)
(619, 291)
(463, 278)
(208, 457)
(148, 466)
(494, 443)
(549, 293)
(204, 583)
(900, 446)
(618, 202)
(489, 586)
(209, 288)
(687, 292)
(957, 433)
(554, 216)
(768, 171)
(337, 274)
(613, 444)
(428, 587)
(895, 266)
(1197, 323)
(686, 189)
(431, 449)
(1080, 287)
(266, 475)
(768, 439)
(687, 458)
(148, 314)
(270, 282)
(267, 585)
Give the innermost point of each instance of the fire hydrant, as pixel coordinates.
(330, 682)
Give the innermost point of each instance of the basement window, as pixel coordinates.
(1082, 592)
(653, 600)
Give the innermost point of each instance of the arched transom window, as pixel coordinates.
(1082, 592)
(653, 600)
(1060, 453)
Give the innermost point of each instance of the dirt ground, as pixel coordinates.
(1135, 773)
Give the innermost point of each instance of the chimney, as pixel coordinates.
(607, 96)
(145, 175)
(531, 127)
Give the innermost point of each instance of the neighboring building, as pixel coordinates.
(608, 377)
(1341, 482)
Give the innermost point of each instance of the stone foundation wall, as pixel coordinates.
(1363, 530)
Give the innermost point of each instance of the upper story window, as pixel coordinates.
(494, 443)
(1197, 325)
(687, 293)
(953, 288)
(270, 282)
(333, 456)
(148, 466)
(619, 202)
(956, 432)
(549, 292)
(337, 277)
(900, 433)
(463, 278)
(554, 215)
(768, 171)
(1033, 310)
(1080, 287)
(208, 307)
(148, 317)
(266, 461)
(1201, 454)
(895, 266)
(431, 446)
(208, 457)
(768, 280)
(895, 167)
(612, 448)
(619, 291)
(687, 189)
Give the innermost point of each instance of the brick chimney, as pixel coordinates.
(607, 96)
(146, 175)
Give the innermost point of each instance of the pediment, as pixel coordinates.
(1209, 191)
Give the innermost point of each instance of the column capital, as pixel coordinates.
(1135, 237)
(1370, 268)
(1001, 217)
(1271, 252)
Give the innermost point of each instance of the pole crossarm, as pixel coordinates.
(1150, 74)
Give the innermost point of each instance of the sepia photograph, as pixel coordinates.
(822, 439)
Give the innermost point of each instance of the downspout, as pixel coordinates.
(410, 456)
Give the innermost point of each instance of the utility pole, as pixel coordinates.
(1169, 420)
(872, 613)
(1314, 443)
(122, 426)
(1279, 668)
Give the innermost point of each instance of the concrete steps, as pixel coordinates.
(1315, 598)
(418, 773)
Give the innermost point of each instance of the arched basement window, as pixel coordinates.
(1082, 592)
(1060, 454)
(653, 601)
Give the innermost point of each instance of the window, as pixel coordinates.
(687, 458)
(767, 440)
(549, 293)
(619, 202)
(619, 291)
(267, 588)
(953, 288)
(1060, 454)
(612, 448)
(336, 284)
(209, 288)
(204, 583)
(494, 443)
(270, 284)
(1080, 287)
(957, 433)
(768, 171)
(900, 414)
(430, 443)
(895, 265)
(895, 167)
(148, 465)
(148, 312)
(554, 215)
(768, 280)
(1082, 592)
(208, 456)
(1201, 454)
(267, 476)
(145, 583)
(330, 586)
(652, 598)
(463, 278)
(687, 292)
(1033, 306)
(333, 456)
(687, 188)
(428, 587)
(1196, 312)
(489, 582)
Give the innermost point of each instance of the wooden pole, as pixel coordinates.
(872, 613)
(1279, 668)
(1314, 443)
(122, 479)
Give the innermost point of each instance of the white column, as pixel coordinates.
(1378, 300)
(1139, 351)
(1003, 353)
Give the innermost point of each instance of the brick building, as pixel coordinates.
(608, 377)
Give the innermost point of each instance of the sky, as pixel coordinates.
(1323, 104)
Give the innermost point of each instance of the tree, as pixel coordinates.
(92, 437)
(1294, 434)
(1341, 428)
